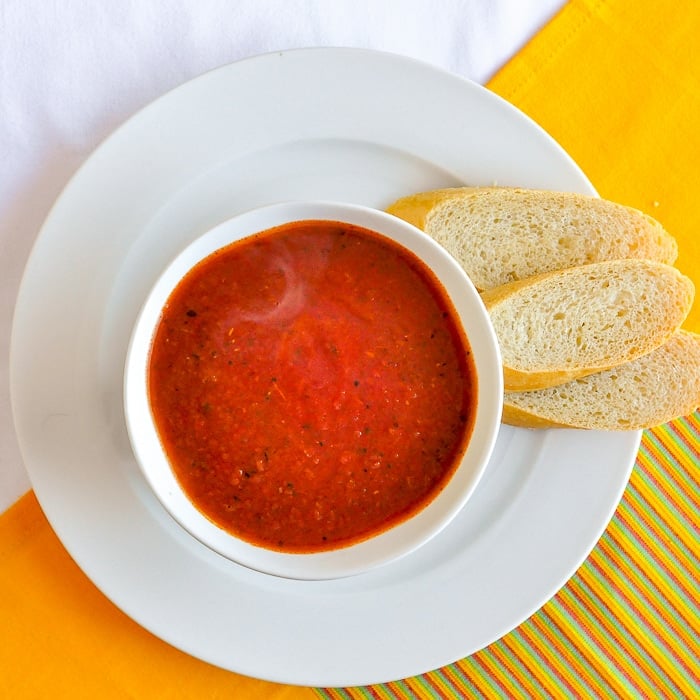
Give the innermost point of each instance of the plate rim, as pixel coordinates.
(55, 211)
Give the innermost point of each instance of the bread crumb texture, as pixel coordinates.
(502, 234)
(590, 317)
(653, 389)
(584, 299)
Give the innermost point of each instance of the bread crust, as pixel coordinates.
(519, 418)
(415, 208)
(509, 240)
(651, 390)
(502, 234)
(608, 332)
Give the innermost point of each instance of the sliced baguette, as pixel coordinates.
(503, 234)
(562, 325)
(653, 389)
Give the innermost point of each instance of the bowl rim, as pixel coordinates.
(388, 545)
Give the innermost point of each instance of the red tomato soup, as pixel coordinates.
(311, 386)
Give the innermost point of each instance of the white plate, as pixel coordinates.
(341, 124)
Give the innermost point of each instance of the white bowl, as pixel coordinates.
(390, 544)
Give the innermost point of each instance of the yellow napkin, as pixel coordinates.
(61, 638)
(617, 84)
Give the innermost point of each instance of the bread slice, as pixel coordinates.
(653, 389)
(503, 234)
(562, 325)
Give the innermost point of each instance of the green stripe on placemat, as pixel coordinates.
(625, 625)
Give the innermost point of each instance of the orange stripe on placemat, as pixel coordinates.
(520, 651)
(380, 692)
(459, 680)
(499, 673)
(657, 560)
(339, 693)
(541, 661)
(655, 522)
(670, 521)
(650, 461)
(670, 618)
(681, 438)
(432, 685)
(466, 679)
(551, 635)
(678, 443)
(625, 623)
(567, 636)
(659, 565)
(653, 643)
(684, 436)
(430, 682)
(603, 651)
(520, 676)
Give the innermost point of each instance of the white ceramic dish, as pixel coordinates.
(391, 544)
(337, 124)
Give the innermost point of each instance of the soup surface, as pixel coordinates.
(311, 386)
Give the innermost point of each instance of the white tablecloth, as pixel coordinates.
(72, 71)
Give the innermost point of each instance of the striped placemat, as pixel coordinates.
(626, 625)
